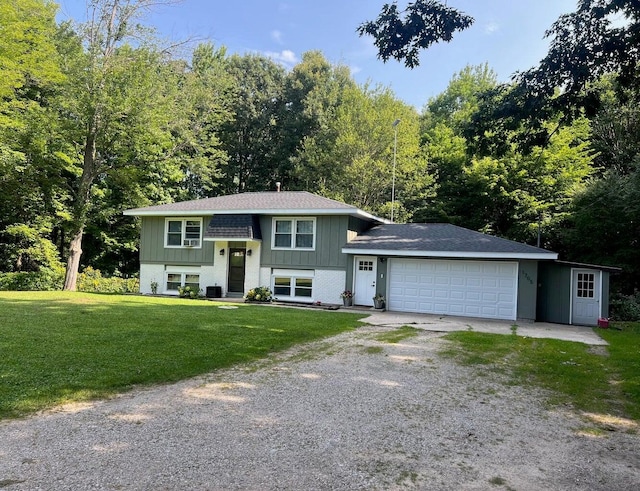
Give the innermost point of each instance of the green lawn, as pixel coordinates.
(601, 380)
(58, 347)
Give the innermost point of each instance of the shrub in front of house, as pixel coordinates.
(189, 292)
(45, 279)
(92, 281)
(259, 294)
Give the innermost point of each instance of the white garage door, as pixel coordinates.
(469, 288)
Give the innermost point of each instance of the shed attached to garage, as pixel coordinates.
(444, 269)
(573, 293)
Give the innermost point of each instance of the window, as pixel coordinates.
(365, 265)
(178, 279)
(293, 284)
(183, 232)
(585, 285)
(294, 233)
(282, 286)
(303, 287)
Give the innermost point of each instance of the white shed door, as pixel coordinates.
(487, 289)
(586, 297)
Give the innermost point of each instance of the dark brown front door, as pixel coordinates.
(236, 270)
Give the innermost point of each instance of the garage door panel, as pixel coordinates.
(455, 295)
(471, 288)
(457, 281)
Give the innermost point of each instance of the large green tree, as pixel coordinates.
(31, 154)
(315, 90)
(604, 224)
(352, 160)
(498, 189)
(117, 107)
(253, 139)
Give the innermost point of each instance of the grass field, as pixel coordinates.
(58, 347)
(593, 379)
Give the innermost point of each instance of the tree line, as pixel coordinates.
(99, 117)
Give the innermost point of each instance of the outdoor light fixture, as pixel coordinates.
(393, 179)
(222, 252)
(248, 252)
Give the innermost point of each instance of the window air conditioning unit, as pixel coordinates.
(191, 242)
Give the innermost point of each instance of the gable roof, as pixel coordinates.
(440, 240)
(233, 227)
(263, 203)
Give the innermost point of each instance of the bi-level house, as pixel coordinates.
(308, 248)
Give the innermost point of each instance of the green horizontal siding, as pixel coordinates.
(152, 249)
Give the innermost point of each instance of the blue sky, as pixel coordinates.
(507, 34)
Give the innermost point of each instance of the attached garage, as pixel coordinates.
(442, 269)
(487, 289)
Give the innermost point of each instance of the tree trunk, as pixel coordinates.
(81, 205)
(73, 263)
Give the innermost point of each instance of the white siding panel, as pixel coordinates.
(466, 288)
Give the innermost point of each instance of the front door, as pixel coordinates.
(585, 297)
(364, 288)
(236, 270)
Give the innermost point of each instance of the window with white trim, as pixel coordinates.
(294, 233)
(586, 285)
(294, 285)
(178, 279)
(183, 232)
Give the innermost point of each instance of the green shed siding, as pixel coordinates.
(554, 293)
(331, 235)
(605, 294)
(527, 289)
(152, 249)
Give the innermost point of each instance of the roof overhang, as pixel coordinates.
(277, 212)
(549, 256)
(609, 269)
(230, 239)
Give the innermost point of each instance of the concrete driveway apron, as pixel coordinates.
(440, 323)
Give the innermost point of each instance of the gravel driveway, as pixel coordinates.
(346, 413)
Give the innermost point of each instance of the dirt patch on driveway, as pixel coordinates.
(345, 413)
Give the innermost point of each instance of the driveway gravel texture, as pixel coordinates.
(345, 413)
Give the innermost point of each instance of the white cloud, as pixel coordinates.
(491, 27)
(354, 69)
(286, 56)
(276, 36)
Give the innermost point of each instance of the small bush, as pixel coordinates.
(45, 279)
(188, 292)
(259, 294)
(92, 281)
(626, 307)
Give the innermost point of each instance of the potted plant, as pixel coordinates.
(378, 301)
(347, 298)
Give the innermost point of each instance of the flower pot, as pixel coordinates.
(378, 304)
(347, 302)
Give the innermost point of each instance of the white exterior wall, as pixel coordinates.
(265, 277)
(219, 273)
(252, 268)
(328, 284)
(207, 278)
(149, 273)
(157, 273)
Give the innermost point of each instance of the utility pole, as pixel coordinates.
(393, 178)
